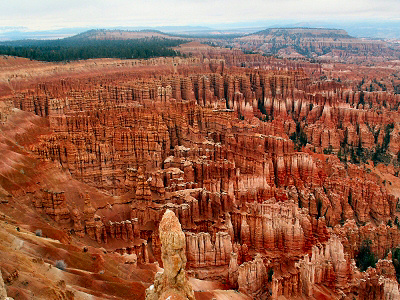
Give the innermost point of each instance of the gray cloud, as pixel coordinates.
(50, 14)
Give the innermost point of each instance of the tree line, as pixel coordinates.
(76, 49)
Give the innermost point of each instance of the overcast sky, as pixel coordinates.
(54, 14)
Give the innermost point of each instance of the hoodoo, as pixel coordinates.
(171, 284)
(242, 175)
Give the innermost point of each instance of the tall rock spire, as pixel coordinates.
(172, 283)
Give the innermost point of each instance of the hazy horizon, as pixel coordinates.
(55, 14)
(381, 30)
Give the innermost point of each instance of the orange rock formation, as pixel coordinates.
(270, 171)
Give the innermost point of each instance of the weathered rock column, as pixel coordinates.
(172, 283)
(3, 292)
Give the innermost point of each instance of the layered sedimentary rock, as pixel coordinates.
(251, 277)
(172, 283)
(201, 251)
(76, 217)
(329, 44)
(53, 204)
(328, 265)
(272, 226)
(382, 237)
(265, 163)
(373, 286)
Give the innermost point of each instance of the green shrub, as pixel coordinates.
(60, 264)
(299, 137)
(365, 258)
(396, 262)
(270, 273)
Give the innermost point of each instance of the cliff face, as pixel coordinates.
(329, 44)
(328, 265)
(268, 169)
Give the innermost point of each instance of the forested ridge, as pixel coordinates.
(76, 49)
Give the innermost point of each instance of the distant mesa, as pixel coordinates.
(305, 32)
(106, 34)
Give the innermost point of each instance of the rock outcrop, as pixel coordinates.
(267, 164)
(3, 292)
(172, 282)
(328, 44)
(328, 265)
(201, 251)
(252, 277)
(53, 204)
